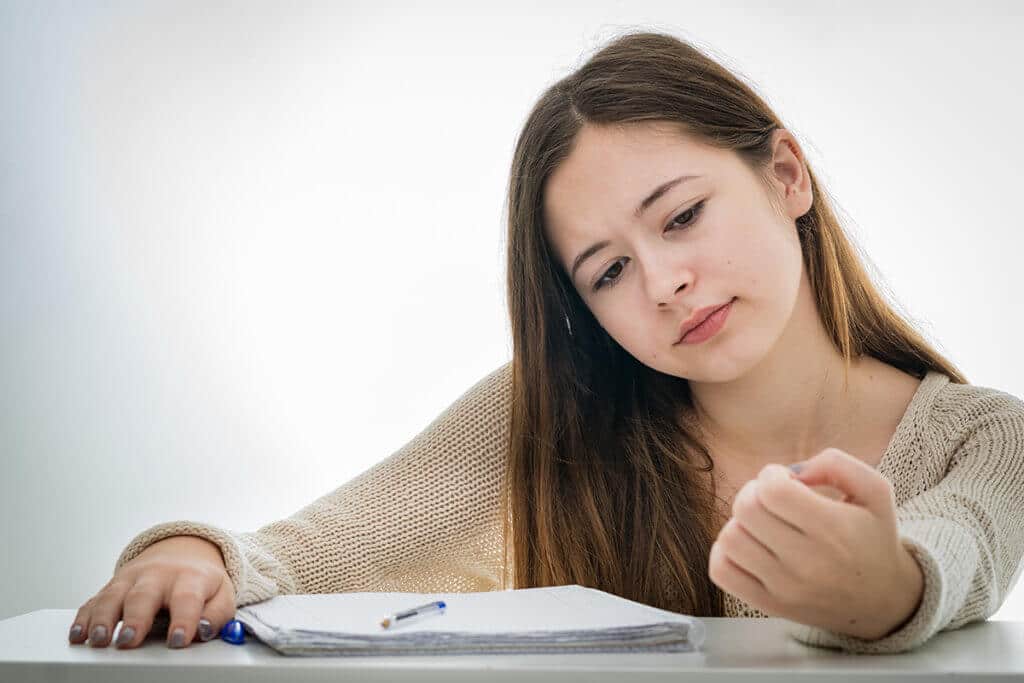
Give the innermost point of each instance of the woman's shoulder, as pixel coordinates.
(957, 406)
(486, 402)
(975, 430)
(958, 418)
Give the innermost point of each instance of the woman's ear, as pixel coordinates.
(790, 174)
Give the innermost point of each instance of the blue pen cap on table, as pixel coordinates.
(233, 632)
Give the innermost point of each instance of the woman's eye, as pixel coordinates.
(693, 211)
(688, 217)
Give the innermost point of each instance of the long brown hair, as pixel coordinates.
(607, 477)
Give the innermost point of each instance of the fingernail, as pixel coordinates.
(76, 631)
(796, 467)
(126, 635)
(205, 630)
(99, 634)
(178, 637)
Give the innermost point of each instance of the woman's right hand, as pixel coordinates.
(185, 574)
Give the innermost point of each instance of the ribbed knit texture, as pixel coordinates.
(956, 464)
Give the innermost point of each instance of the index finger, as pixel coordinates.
(781, 494)
(861, 482)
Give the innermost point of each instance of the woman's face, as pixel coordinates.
(707, 240)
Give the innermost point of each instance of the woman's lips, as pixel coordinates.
(709, 327)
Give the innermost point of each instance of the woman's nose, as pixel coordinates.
(665, 278)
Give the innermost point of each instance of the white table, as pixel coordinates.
(34, 647)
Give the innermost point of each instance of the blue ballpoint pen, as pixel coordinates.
(436, 607)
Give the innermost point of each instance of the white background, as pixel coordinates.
(247, 250)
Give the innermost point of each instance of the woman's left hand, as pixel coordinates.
(836, 564)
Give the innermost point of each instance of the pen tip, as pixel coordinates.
(385, 623)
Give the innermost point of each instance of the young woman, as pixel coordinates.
(688, 318)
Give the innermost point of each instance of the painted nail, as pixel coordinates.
(76, 631)
(178, 637)
(796, 467)
(205, 630)
(99, 634)
(126, 635)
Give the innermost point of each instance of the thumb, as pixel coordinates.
(857, 480)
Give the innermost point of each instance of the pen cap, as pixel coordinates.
(233, 632)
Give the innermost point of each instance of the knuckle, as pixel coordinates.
(138, 591)
(833, 454)
(745, 502)
(186, 594)
(101, 608)
(114, 588)
(714, 557)
(156, 577)
(773, 492)
(715, 571)
(116, 580)
(731, 533)
(885, 488)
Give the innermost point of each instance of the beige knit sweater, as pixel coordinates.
(956, 463)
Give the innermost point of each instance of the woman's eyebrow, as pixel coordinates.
(659, 191)
(654, 196)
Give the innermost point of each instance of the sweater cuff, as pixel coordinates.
(922, 625)
(222, 539)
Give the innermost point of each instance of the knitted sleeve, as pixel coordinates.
(426, 519)
(966, 532)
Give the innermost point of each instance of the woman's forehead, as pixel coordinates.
(614, 162)
(609, 173)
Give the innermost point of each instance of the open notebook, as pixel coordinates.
(530, 620)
